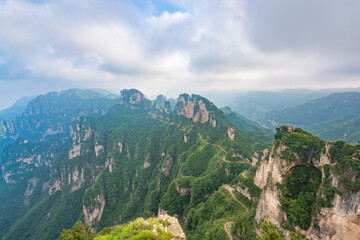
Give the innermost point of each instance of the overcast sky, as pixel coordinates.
(177, 46)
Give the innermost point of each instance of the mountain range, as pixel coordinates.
(333, 117)
(81, 155)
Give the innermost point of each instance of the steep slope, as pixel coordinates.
(132, 161)
(310, 184)
(333, 117)
(54, 115)
(252, 130)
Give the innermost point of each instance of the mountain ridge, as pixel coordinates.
(140, 158)
(338, 110)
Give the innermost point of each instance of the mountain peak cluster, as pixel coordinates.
(108, 166)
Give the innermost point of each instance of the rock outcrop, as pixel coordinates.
(173, 226)
(194, 107)
(134, 99)
(94, 212)
(341, 221)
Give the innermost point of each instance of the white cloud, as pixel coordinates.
(211, 44)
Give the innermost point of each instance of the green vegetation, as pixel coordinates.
(298, 194)
(326, 191)
(257, 135)
(144, 164)
(152, 228)
(345, 158)
(299, 141)
(79, 232)
(137, 159)
(270, 231)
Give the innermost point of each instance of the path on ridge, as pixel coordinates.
(243, 173)
(225, 228)
(227, 187)
(230, 189)
(215, 145)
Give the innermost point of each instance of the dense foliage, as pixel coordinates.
(298, 195)
(345, 159)
(79, 232)
(298, 141)
(270, 231)
(131, 161)
(152, 228)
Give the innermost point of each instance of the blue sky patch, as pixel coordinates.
(157, 7)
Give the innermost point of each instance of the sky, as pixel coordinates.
(177, 46)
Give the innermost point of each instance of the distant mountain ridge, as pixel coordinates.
(16, 109)
(332, 117)
(255, 104)
(54, 113)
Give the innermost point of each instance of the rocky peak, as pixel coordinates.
(159, 102)
(131, 97)
(162, 104)
(197, 108)
(295, 148)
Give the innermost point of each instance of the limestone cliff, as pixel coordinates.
(195, 107)
(339, 218)
(134, 99)
(93, 212)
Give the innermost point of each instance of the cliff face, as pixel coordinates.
(268, 174)
(194, 107)
(76, 173)
(94, 212)
(55, 114)
(340, 217)
(23, 157)
(7, 128)
(134, 99)
(342, 221)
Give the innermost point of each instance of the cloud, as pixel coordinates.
(175, 46)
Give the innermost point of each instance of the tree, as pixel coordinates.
(80, 232)
(297, 236)
(270, 232)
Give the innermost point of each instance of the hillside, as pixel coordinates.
(142, 158)
(301, 188)
(134, 160)
(54, 115)
(333, 117)
(251, 129)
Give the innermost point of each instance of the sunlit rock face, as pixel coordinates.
(194, 107)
